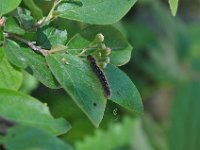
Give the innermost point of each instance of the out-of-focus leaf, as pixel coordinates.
(12, 26)
(24, 57)
(95, 12)
(173, 6)
(8, 6)
(123, 90)
(117, 136)
(26, 110)
(10, 76)
(24, 17)
(49, 36)
(140, 140)
(77, 78)
(121, 49)
(35, 10)
(154, 133)
(29, 138)
(185, 121)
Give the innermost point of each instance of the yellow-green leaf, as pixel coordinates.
(173, 6)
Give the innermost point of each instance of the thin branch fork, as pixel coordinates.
(32, 45)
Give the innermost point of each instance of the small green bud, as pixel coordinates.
(99, 38)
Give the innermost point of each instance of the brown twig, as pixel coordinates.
(32, 45)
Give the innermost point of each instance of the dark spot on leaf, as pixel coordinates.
(118, 93)
(95, 104)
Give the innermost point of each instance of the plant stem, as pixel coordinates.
(32, 45)
(50, 15)
(57, 50)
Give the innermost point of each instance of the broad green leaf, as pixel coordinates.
(77, 78)
(49, 36)
(8, 6)
(121, 49)
(26, 110)
(29, 138)
(173, 6)
(10, 76)
(24, 57)
(185, 121)
(35, 10)
(123, 90)
(95, 11)
(12, 26)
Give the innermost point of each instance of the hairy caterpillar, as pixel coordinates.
(100, 75)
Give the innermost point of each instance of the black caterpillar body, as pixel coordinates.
(100, 75)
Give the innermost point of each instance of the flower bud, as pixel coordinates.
(99, 38)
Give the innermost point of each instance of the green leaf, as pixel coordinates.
(49, 36)
(1, 54)
(29, 138)
(95, 12)
(123, 90)
(121, 49)
(10, 76)
(26, 110)
(78, 79)
(24, 57)
(185, 121)
(1, 37)
(12, 26)
(5, 124)
(35, 10)
(24, 17)
(8, 6)
(29, 83)
(173, 6)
